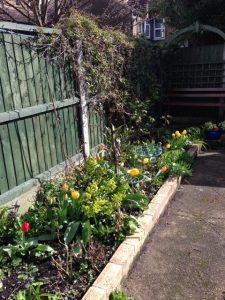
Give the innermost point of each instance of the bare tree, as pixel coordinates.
(116, 13)
(37, 12)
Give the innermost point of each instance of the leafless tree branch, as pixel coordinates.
(48, 12)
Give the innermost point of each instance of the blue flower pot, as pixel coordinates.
(213, 135)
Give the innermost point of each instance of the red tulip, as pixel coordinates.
(25, 227)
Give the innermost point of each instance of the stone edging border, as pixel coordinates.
(121, 262)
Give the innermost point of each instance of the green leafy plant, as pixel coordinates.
(34, 293)
(135, 201)
(8, 224)
(24, 249)
(210, 126)
(119, 295)
(221, 126)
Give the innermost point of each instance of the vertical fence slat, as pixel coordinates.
(2, 105)
(62, 127)
(32, 146)
(77, 129)
(7, 154)
(43, 76)
(3, 176)
(72, 128)
(11, 59)
(45, 141)
(21, 73)
(57, 138)
(37, 80)
(25, 149)
(5, 77)
(16, 153)
(51, 139)
(40, 153)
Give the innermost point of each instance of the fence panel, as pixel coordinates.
(36, 135)
(39, 113)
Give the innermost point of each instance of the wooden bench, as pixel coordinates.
(193, 93)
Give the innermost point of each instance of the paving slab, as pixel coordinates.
(184, 257)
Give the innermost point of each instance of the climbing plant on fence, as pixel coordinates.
(121, 71)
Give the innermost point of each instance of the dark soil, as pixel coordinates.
(85, 271)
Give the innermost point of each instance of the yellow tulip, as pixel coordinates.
(145, 161)
(173, 135)
(177, 133)
(133, 172)
(75, 195)
(168, 146)
(184, 132)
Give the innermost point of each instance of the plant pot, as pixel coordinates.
(213, 135)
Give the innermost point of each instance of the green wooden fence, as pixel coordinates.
(37, 102)
(197, 67)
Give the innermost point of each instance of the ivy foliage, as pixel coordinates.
(120, 70)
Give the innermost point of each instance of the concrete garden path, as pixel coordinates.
(184, 258)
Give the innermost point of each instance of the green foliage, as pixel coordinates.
(135, 201)
(182, 13)
(104, 59)
(118, 69)
(119, 295)
(97, 201)
(14, 253)
(34, 293)
(210, 126)
(221, 126)
(178, 162)
(8, 225)
(195, 133)
(86, 233)
(70, 232)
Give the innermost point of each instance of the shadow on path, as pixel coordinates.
(209, 170)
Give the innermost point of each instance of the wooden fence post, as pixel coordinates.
(83, 103)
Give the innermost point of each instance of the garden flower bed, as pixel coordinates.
(58, 248)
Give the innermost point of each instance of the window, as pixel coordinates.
(145, 29)
(159, 30)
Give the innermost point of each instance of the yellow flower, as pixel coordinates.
(65, 187)
(177, 133)
(75, 195)
(168, 146)
(122, 164)
(145, 161)
(133, 172)
(173, 135)
(184, 132)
